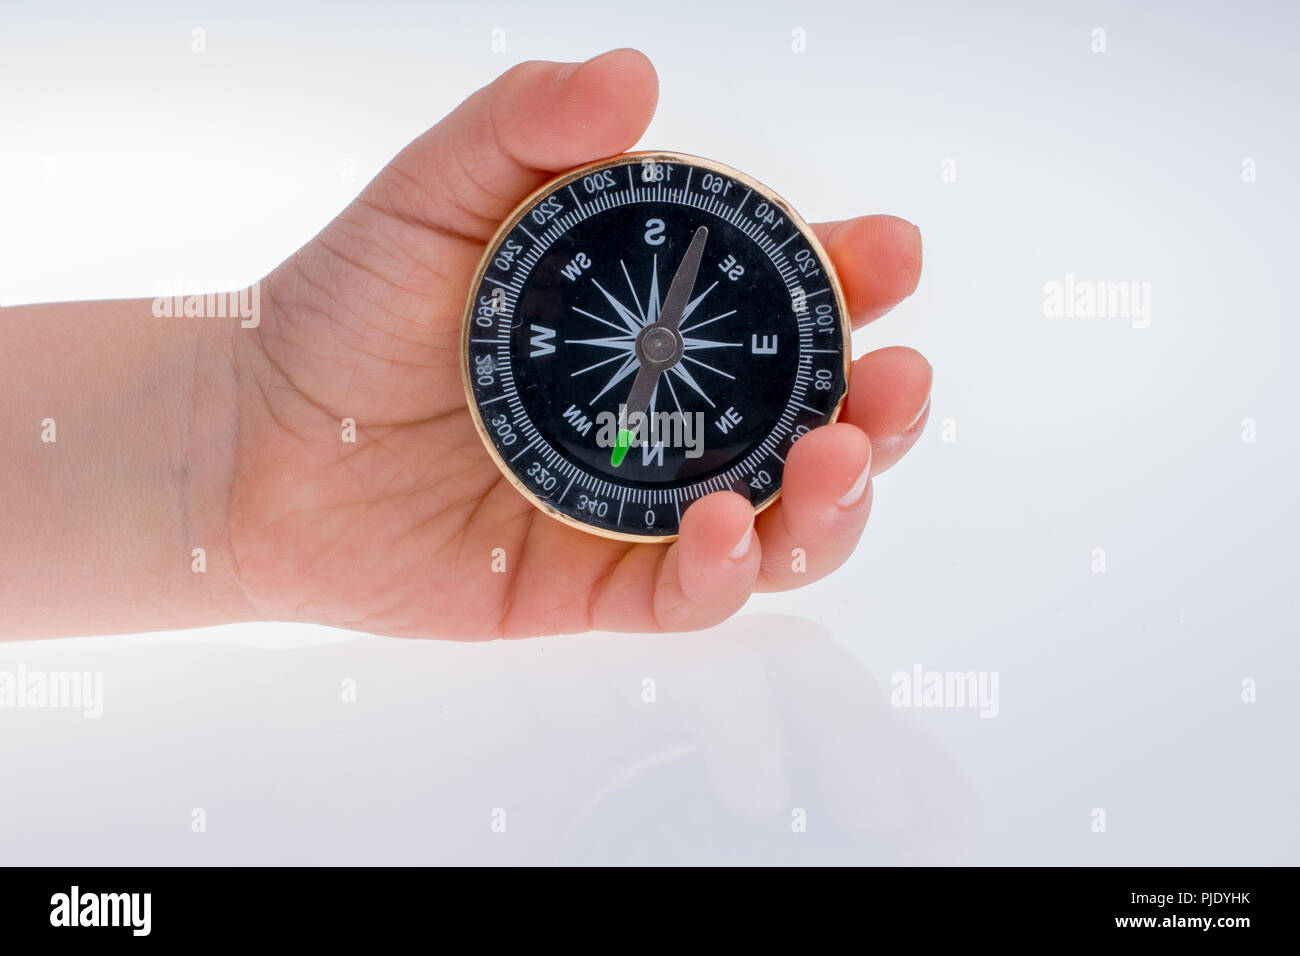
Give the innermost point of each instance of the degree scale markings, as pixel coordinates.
(711, 204)
(561, 221)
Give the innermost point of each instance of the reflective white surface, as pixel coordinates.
(590, 749)
(1119, 690)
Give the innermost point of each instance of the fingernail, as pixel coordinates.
(569, 70)
(854, 494)
(745, 543)
(919, 415)
(916, 251)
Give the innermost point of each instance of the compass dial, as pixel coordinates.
(647, 330)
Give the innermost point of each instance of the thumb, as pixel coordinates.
(467, 173)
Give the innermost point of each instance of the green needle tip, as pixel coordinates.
(620, 449)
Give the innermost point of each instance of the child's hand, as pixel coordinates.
(396, 532)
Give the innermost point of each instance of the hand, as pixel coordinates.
(396, 532)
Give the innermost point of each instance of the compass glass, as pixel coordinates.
(646, 331)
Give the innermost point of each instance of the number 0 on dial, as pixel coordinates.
(647, 330)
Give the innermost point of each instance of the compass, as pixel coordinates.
(646, 330)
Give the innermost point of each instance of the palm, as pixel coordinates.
(400, 527)
(410, 528)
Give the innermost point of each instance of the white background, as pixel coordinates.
(130, 165)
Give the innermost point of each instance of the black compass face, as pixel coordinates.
(651, 330)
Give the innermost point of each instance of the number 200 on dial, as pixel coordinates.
(647, 330)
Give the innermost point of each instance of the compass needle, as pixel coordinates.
(695, 303)
(673, 392)
(760, 360)
(628, 365)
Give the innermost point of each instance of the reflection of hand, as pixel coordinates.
(781, 717)
(749, 720)
(395, 533)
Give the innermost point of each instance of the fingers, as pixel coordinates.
(701, 579)
(468, 172)
(889, 399)
(878, 260)
(826, 492)
(708, 573)
(825, 499)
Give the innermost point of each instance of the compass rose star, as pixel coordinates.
(634, 320)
